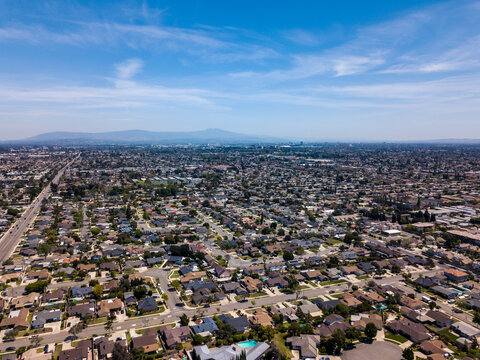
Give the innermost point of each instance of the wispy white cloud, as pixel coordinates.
(308, 65)
(350, 65)
(453, 93)
(213, 45)
(129, 68)
(123, 93)
(400, 45)
(463, 56)
(302, 37)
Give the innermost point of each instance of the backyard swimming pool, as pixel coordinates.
(247, 344)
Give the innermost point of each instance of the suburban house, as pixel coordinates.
(306, 345)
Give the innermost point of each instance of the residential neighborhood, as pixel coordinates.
(295, 252)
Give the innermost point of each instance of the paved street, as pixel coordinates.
(11, 238)
(175, 311)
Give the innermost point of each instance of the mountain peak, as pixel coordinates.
(145, 137)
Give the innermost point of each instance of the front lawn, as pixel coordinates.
(257, 294)
(175, 274)
(333, 282)
(396, 337)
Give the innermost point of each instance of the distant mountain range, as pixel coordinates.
(143, 137)
(202, 137)
(447, 141)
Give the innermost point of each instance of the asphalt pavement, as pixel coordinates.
(174, 312)
(12, 237)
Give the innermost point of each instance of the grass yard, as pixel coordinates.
(396, 337)
(333, 282)
(279, 340)
(56, 352)
(311, 283)
(451, 337)
(161, 309)
(101, 320)
(362, 277)
(333, 241)
(257, 294)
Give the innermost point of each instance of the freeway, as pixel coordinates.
(174, 313)
(12, 237)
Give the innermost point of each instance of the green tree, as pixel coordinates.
(352, 333)
(408, 354)
(140, 292)
(476, 317)
(120, 352)
(287, 255)
(184, 320)
(37, 286)
(294, 329)
(266, 333)
(97, 291)
(371, 331)
(44, 249)
(198, 339)
(336, 342)
(341, 309)
(293, 284)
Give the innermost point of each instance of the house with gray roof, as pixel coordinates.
(207, 327)
(465, 330)
(305, 344)
(81, 292)
(231, 352)
(46, 316)
(445, 292)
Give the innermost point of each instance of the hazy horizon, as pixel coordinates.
(355, 71)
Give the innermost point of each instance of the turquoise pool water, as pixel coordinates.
(247, 344)
(457, 291)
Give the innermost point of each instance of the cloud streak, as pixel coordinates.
(129, 68)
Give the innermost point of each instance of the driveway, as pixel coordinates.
(378, 350)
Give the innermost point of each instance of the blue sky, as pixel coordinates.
(310, 70)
